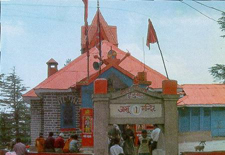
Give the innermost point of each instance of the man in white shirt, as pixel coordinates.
(155, 136)
(116, 149)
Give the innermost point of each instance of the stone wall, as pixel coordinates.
(52, 114)
(46, 115)
(37, 121)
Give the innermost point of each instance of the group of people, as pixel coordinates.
(123, 144)
(57, 145)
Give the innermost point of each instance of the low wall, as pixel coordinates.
(195, 136)
(58, 154)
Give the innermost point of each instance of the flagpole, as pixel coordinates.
(99, 37)
(152, 38)
(87, 48)
(162, 59)
(143, 52)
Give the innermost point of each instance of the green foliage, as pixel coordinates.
(67, 62)
(5, 129)
(15, 118)
(221, 21)
(218, 72)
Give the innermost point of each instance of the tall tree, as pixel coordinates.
(218, 72)
(1, 86)
(11, 96)
(5, 119)
(221, 21)
(5, 129)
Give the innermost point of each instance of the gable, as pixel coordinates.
(136, 94)
(120, 78)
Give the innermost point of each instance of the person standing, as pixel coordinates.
(128, 137)
(67, 145)
(40, 143)
(59, 143)
(144, 144)
(49, 143)
(116, 149)
(19, 147)
(74, 144)
(155, 136)
(114, 133)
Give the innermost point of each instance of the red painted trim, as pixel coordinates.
(96, 75)
(204, 153)
(57, 154)
(69, 129)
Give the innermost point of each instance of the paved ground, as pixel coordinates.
(216, 145)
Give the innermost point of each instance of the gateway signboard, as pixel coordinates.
(135, 110)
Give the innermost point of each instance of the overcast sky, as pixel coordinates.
(33, 31)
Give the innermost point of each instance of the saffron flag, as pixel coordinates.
(151, 36)
(86, 10)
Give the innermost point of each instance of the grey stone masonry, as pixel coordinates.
(46, 115)
(37, 121)
(51, 114)
(101, 121)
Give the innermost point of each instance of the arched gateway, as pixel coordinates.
(135, 105)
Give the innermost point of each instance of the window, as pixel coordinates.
(184, 119)
(206, 119)
(195, 119)
(68, 119)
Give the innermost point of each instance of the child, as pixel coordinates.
(116, 149)
(144, 144)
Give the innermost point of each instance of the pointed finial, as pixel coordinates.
(98, 4)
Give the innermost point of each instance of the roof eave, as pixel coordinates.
(28, 99)
(41, 91)
(202, 105)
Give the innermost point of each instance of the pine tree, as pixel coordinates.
(1, 86)
(5, 129)
(221, 21)
(11, 96)
(218, 72)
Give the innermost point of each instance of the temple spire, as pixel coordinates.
(107, 32)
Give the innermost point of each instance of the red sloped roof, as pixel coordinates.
(203, 94)
(30, 93)
(76, 70)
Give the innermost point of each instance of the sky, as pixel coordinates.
(34, 31)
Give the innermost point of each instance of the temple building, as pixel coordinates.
(63, 101)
